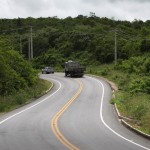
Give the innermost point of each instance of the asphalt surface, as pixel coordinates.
(88, 122)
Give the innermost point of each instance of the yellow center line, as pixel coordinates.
(54, 122)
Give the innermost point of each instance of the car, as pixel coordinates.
(48, 70)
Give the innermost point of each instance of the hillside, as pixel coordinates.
(90, 39)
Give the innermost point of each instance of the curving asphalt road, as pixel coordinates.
(75, 114)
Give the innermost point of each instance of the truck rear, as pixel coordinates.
(73, 68)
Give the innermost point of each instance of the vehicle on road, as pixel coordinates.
(48, 70)
(73, 68)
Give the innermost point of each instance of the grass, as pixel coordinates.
(137, 108)
(8, 103)
(133, 106)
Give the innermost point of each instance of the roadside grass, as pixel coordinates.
(136, 108)
(22, 97)
(133, 106)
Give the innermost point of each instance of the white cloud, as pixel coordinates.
(119, 9)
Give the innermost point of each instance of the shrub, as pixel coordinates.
(16, 73)
(140, 85)
(140, 111)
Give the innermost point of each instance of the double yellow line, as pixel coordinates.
(54, 123)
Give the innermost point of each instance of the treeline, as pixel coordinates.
(90, 40)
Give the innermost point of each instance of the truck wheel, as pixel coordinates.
(66, 74)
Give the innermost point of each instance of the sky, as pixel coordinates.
(113, 9)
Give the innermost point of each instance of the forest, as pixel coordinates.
(91, 40)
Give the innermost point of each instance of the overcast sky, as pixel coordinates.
(117, 9)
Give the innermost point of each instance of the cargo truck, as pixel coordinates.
(74, 69)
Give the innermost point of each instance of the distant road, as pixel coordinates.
(75, 114)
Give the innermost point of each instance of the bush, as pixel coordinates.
(16, 73)
(139, 65)
(140, 85)
(139, 111)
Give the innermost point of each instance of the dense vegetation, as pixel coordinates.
(15, 72)
(19, 82)
(90, 40)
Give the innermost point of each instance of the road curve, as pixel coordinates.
(86, 120)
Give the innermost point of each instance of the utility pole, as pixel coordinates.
(115, 54)
(29, 49)
(31, 41)
(20, 44)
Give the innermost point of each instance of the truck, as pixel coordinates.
(73, 68)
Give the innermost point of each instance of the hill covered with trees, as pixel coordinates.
(88, 39)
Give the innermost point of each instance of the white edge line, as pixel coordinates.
(102, 119)
(32, 105)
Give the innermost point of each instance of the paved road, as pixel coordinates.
(75, 114)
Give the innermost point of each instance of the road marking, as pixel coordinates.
(16, 114)
(106, 125)
(54, 122)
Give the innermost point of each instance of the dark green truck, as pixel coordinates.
(74, 69)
